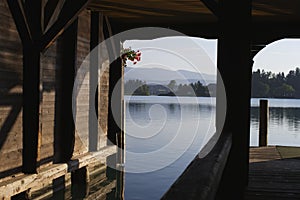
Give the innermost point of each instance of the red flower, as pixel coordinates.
(129, 54)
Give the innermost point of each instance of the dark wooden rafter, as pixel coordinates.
(213, 6)
(43, 21)
(33, 12)
(51, 9)
(110, 34)
(68, 14)
(17, 11)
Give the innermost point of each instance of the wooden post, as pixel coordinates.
(60, 183)
(115, 74)
(31, 102)
(263, 122)
(93, 82)
(31, 89)
(80, 183)
(64, 135)
(234, 65)
(115, 132)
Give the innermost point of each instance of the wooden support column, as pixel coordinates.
(115, 119)
(31, 89)
(94, 77)
(234, 65)
(64, 136)
(115, 132)
(31, 101)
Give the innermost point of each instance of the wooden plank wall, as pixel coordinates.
(11, 93)
(49, 73)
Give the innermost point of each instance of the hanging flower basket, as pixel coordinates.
(130, 54)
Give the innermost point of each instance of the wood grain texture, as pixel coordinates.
(272, 177)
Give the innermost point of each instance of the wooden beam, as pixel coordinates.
(42, 21)
(19, 17)
(212, 5)
(109, 34)
(68, 14)
(64, 135)
(33, 12)
(52, 11)
(49, 10)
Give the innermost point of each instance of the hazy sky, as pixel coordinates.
(280, 56)
(175, 53)
(196, 54)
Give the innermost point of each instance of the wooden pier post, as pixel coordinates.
(80, 183)
(263, 122)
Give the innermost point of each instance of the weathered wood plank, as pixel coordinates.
(264, 154)
(272, 176)
(46, 174)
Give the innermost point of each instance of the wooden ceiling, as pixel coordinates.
(194, 18)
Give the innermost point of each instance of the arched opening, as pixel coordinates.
(274, 166)
(276, 77)
(170, 110)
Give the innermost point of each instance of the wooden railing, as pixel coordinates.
(202, 177)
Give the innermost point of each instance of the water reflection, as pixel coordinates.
(173, 118)
(284, 125)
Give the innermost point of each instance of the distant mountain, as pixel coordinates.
(163, 76)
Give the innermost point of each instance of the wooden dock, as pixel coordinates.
(274, 173)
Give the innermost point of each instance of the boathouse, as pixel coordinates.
(43, 44)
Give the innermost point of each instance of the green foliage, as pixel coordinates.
(172, 85)
(268, 84)
(185, 90)
(199, 89)
(136, 87)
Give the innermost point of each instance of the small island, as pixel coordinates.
(138, 87)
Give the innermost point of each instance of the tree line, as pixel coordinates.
(138, 87)
(271, 85)
(265, 84)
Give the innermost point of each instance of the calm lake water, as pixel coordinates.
(163, 135)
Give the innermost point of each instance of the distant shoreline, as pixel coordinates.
(208, 96)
